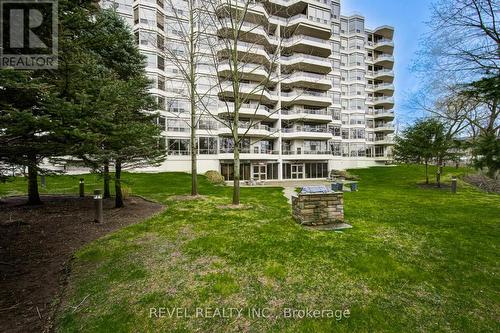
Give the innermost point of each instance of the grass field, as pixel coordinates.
(417, 260)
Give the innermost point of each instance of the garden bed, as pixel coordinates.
(36, 244)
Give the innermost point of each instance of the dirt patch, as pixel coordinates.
(235, 207)
(36, 244)
(484, 183)
(188, 197)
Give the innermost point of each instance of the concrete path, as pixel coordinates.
(288, 192)
(290, 186)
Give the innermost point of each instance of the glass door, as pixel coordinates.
(297, 171)
(259, 172)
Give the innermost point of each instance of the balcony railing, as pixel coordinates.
(307, 152)
(388, 126)
(305, 111)
(304, 56)
(382, 99)
(305, 129)
(383, 71)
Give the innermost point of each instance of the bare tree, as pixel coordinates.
(245, 51)
(463, 43)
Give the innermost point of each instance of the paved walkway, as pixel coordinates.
(290, 186)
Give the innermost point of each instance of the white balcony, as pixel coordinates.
(307, 80)
(384, 141)
(385, 60)
(249, 111)
(384, 45)
(308, 62)
(307, 44)
(249, 71)
(384, 128)
(386, 102)
(383, 74)
(257, 131)
(383, 114)
(320, 116)
(250, 91)
(384, 88)
(304, 97)
(306, 133)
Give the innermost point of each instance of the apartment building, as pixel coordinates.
(328, 105)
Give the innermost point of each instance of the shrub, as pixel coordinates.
(214, 177)
(126, 191)
(343, 174)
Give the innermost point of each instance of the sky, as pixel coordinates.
(408, 18)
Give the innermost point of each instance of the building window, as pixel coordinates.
(207, 145)
(177, 125)
(316, 170)
(178, 146)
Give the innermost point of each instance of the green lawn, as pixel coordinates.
(417, 260)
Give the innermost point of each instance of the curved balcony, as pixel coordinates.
(307, 62)
(250, 91)
(248, 52)
(249, 71)
(248, 154)
(303, 97)
(249, 111)
(384, 45)
(384, 128)
(306, 80)
(386, 102)
(301, 154)
(319, 116)
(384, 141)
(385, 31)
(254, 33)
(383, 114)
(385, 60)
(293, 6)
(256, 131)
(306, 133)
(384, 75)
(384, 88)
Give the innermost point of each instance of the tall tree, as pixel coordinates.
(248, 72)
(119, 115)
(463, 43)
(184, 54)
(485, 94)
(31, 130)
(415, 143)
(426, 141)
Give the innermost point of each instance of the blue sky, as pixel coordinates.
(407, 17)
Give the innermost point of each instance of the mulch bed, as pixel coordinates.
(36, 245)
(484, 183)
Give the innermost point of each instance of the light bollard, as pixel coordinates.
(453, 184)
(98, 206)
(43, 181)
(82, 188)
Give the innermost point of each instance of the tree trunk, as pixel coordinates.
(106, 192)
(192, 79)
(118, 185)
(236, 172)
(426, 172)
(438, 174)
(33, 194)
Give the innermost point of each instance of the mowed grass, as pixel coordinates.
(417, 260)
